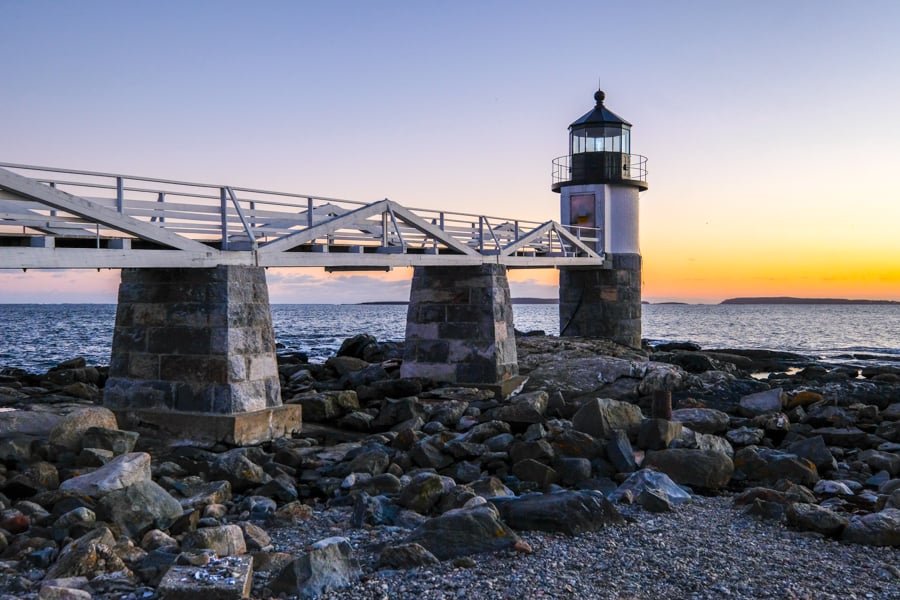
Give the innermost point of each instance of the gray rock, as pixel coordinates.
(395, 411)
(524, 408)
(881, 461)
(139, 507)
(119, 473)
(702, 420)
(424, 491)
(811, 517)
(875, 529)
(329, 565)
(569, 512)
(198, 493)
(226, 540)
(114, 440)
(428, 456)
(539, 450)
(827, 487)
(370, 460)
(490, 487)
(702, 441)
(655, 501)
(70, 429)
(463, 532)
(657, 434)
(704, 469)
(620, 452)
(647, 479)
(573, 470)
(760, 403)
(745, 436)
(599, 417)
(814, 450)
(405, 556)
(238, 469)
(532, 470)
(89, 556)
(770, 466)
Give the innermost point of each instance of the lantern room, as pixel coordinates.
(599, 151)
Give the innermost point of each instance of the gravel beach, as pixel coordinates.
(704, 550)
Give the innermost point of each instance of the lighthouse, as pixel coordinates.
(599, 182)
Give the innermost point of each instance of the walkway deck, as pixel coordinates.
(65, 218)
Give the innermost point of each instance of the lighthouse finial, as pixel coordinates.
(599, 97)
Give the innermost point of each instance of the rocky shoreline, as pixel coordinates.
(582, 485)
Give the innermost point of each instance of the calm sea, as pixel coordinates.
(35, 337)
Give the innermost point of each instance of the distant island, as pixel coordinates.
(790, 300)
(514, 301)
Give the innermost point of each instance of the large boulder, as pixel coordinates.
(702, 420)
(140, 507)
(570, 512)
(875, 529)
(70, 429)
(329, 565)
(461, 532)
(599, 417)
(703, 469)
(769, 466)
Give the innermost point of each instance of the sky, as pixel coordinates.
(771, 128)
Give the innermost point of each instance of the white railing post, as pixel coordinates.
(223, 207)
(120, 195)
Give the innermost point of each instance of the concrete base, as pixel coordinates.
(205, 429)
(603, 302)
(194, 352)
(459, 326)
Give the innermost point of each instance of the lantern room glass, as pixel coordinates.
(601, 139)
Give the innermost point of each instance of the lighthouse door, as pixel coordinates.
(583, 219)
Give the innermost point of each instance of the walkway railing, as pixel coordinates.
(234, 218)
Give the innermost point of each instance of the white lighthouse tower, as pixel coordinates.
(599, 182)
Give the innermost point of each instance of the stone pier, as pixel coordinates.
(604, 302)
(193, 354)
(459, 328)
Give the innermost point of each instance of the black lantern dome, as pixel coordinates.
(599, 151)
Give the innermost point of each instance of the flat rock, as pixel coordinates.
(705, 469)
(227, 578)
(875, 529)
(569, 512)
(702, 420)
(121, 472)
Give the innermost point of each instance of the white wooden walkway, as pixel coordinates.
(65, 218)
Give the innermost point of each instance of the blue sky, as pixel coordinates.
(770, 126)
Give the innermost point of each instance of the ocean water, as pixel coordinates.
(35, 337)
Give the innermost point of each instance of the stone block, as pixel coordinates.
(226, 578)
(241, 429)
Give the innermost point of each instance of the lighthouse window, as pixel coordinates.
(601, 139)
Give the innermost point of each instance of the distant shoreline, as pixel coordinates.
(791, 300)
(514, 301)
